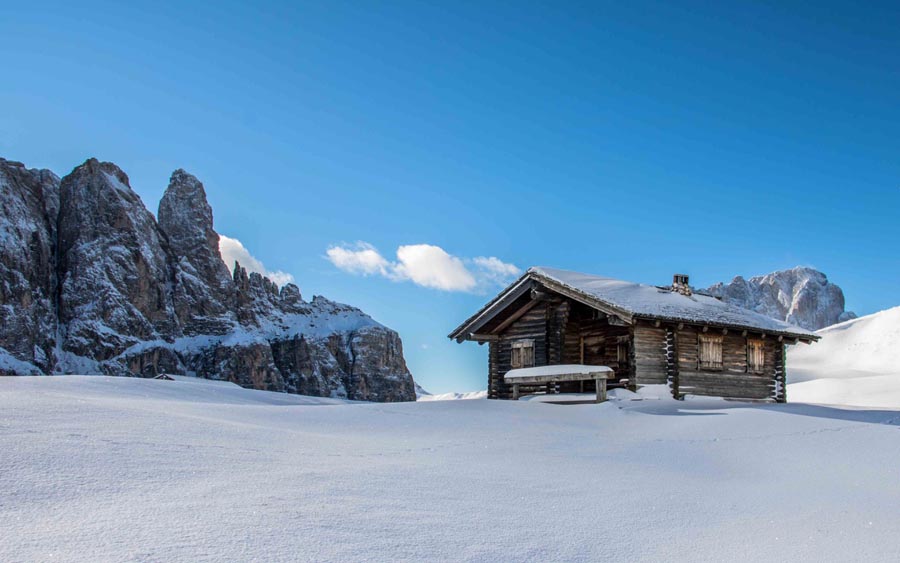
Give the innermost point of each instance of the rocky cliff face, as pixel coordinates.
(113, 267)
(29, 204)
(203, 289)
(90, 282)
(801, 296)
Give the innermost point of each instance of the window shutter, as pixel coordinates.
(521, 354)
(711, 352)
(756, 356)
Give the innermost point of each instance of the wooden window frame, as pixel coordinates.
(753, 367)
(519, 352)
(710, 364)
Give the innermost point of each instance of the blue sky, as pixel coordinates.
(628, 139)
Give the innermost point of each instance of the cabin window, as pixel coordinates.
(522, 354)
(756, 356)
(710, 351)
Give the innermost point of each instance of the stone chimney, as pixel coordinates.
(681, 284)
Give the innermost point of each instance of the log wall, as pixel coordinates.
(568, 333)
(601, 345)
(493, 370)
(593, 341)
(672, 361)
(533, 325)
(733, 380)
(780, 368)
(557, 329)
(650, 349)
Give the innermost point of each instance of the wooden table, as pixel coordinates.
(560, 373)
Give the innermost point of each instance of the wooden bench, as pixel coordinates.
(560, 373)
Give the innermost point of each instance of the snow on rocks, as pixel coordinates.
(141, 297)
(112, 265)
(800, 296)
(29, 204)
(10, 365)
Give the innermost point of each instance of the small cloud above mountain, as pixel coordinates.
(425, 265)
(361, 258)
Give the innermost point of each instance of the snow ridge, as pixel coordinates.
(856, 362)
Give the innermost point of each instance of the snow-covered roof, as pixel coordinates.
(631, 300)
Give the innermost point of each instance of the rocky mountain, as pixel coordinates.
(29, 205)
(801, 296)
(92, 282)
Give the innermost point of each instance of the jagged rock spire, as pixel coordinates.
(204, 291)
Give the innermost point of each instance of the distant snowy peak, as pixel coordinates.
(801, 296)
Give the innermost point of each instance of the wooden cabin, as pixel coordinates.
(649, 335)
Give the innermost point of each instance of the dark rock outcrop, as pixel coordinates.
(113, 268)
(29, 204)
(90, 282)
(801, 296)
(204, 293)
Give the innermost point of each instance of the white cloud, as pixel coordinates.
(495, 270)
(430, 266)
(426, 265)
(233, 250)
(361, 258)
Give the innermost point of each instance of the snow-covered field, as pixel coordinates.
(855, 363)
(454, 396)
(108, 469)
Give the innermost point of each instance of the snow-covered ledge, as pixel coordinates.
(564, 372)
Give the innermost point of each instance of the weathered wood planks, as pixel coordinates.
(650, 355)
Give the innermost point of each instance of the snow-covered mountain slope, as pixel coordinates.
(855, 363)
(124, 469)
(800, 296)
(91, 282)
(421, 392)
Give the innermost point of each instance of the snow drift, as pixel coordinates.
(855, 363)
